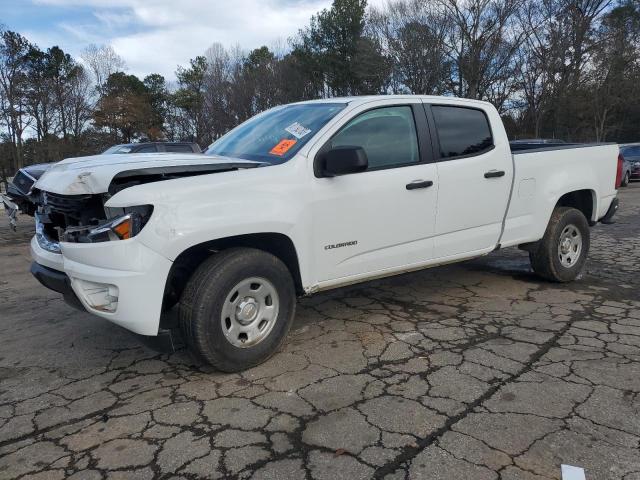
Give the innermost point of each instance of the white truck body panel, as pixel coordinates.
(93, 174)
(539, 183)
(462, 216)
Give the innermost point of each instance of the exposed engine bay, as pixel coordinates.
(84, 218)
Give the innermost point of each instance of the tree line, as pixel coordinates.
(564, 69)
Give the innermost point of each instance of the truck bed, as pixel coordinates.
(542, 175)
(521, 148)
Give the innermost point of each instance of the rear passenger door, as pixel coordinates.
(475, 172)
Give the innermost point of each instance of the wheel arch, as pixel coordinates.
(278, 244)
(584, 200)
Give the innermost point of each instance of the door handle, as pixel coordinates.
(419, 184)
(494, 174)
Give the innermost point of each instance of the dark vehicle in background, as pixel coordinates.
(154, 147)
(631, 155)
(18, 190)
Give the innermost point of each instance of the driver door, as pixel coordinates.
(383, 218)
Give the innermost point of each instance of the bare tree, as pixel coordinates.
(554, 58)
(482, 44)
(39, 94)
(412, 34)
(536, 63)
(613, 69)
(102, 61)
(13, 83)
(78, 105)
(218, 84)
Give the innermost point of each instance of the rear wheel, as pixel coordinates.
(237, 308)
(561, 254)
(625, 180)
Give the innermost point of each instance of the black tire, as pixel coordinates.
(625, 180)
(204, 297)
(545, 259)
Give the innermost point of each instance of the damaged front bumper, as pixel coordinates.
(122, 281)
(98, 255)
(60, 282)
(43, 240)
(56, 281)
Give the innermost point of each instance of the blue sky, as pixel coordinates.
(155, 36)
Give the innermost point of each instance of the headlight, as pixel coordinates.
(122, 227)
(122, 224)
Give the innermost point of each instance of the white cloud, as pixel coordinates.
(173, 37)
(158, 35)
(113, 20)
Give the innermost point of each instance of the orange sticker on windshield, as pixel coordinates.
(282, 147)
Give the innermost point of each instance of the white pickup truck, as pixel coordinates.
(303, 198)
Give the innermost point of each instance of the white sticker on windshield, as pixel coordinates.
(297, 130)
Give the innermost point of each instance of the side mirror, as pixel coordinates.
(341, 161)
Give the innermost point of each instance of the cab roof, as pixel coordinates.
(357, 100)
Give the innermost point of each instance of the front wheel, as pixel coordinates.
(561, 254)
(237, 308)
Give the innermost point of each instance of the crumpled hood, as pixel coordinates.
(93, 174)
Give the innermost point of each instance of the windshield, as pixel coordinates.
(276, 135)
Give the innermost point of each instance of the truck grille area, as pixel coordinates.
(68, 205)
(57, 213)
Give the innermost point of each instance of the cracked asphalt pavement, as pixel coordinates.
(472, 371)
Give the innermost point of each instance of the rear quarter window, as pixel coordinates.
(462, 131)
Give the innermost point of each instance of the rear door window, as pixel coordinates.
(462, 132)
